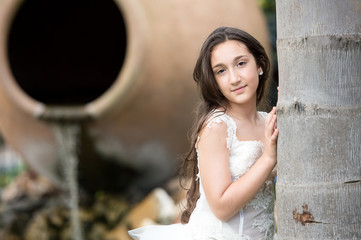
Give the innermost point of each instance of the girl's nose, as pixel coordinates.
(235, 77)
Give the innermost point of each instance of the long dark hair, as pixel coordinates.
(212, 99)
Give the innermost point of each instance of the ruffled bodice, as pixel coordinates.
(256, 219)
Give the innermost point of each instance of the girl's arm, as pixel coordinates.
(224, 197)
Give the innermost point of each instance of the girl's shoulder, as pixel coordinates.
(217, 116)
(219, 124)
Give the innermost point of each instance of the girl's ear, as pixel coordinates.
(260, 72)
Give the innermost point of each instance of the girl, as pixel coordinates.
(234, 147)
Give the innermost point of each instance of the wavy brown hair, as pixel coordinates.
(212, 98)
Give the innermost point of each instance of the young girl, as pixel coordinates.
(234, 147)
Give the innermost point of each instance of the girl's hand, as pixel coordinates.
(271, 135)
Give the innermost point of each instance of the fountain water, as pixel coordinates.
(67, 136)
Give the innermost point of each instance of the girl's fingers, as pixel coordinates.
(272, 121)
(271, 125)
(275, 135)
(270, 115)
(271, 131)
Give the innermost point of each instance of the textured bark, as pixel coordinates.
(319, 118)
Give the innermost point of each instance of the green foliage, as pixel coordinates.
(268, 6)
(269, 9)
(9, 173)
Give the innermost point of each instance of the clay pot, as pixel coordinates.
(120, 69)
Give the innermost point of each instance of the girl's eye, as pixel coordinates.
(220, 71)
(241, 64)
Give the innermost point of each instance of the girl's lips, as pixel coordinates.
(239, 90)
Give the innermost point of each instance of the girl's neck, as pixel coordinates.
(246, 112)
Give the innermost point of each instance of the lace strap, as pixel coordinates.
(218, 117)
(263, 114)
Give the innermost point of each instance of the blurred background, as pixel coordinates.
(96, 102)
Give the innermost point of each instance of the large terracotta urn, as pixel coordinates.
(121, 70)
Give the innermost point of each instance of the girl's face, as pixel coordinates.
(235, 71)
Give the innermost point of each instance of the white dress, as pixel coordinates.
(254, 222)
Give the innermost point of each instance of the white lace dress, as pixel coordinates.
(254, 222)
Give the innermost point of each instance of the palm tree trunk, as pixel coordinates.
(319, 118)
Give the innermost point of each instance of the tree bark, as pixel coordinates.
(319, 118)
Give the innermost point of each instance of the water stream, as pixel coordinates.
(67, 136)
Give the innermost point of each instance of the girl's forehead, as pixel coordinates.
(230, 45)
(229, 49)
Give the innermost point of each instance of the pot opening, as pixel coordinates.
(66, 52)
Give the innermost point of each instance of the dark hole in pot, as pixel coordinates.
(67, 52)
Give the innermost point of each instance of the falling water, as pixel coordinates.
(67, 136)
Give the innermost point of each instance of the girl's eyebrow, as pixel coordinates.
(234, 60)
(239, 58)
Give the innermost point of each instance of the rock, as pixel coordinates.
(98, 231)
(29, 185)
(110, 209)
(103, 216)
(5, 235)
(157, 207)
(38, 228)
(118, 233)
